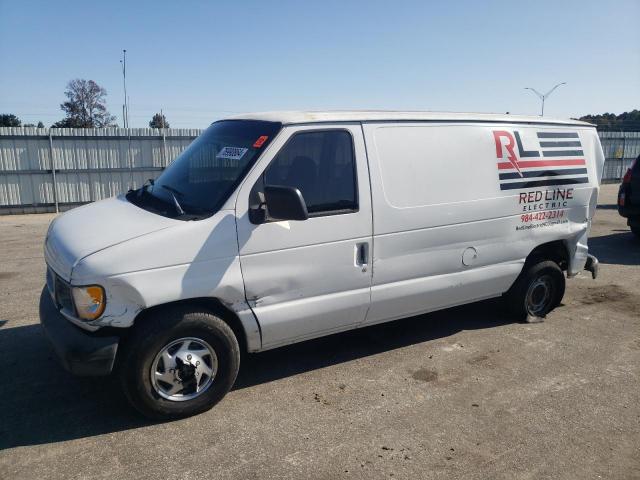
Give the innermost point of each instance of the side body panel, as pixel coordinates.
(452, 219)
(301, 277)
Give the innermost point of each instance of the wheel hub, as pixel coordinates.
(539, 295)
(188, 367)
(184, 369)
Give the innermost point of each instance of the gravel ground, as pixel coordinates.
(462, 393)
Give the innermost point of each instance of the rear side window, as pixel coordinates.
(321, 165)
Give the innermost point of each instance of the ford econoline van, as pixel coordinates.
(274, 228)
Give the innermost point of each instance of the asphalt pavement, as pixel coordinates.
(461, 393)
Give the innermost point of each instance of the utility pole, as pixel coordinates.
(125, 107)
(125, 110)
(164, 142)
(543, 97)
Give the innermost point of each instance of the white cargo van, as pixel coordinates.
(275, 228)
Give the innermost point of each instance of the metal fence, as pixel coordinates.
(620, 149)
(47, 170)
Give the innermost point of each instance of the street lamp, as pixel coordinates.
(544, 97)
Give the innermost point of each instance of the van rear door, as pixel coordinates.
(309, 278)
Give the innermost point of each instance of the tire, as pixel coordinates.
(158, 349)
(636, 230)
(538, 290)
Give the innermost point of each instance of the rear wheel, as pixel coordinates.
(178, 362)
(537, 291)
(636, 230)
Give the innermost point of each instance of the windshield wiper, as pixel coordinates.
(173, 191)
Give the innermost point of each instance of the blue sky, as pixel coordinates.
(200, 61)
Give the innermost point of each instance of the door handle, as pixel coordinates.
(362, 255)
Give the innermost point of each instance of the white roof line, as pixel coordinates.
(296, 117)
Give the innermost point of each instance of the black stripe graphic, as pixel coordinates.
(562, 153)
(544, 173)
(543, 183)
(557, 135)
(560, 144)
(524, 153)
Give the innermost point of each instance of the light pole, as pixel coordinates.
(125, 107)
(543, 97)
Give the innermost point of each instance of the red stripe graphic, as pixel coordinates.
(541, 163)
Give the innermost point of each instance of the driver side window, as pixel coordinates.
(321, 165)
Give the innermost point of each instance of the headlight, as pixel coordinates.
(89, 301)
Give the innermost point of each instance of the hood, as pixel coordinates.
(94, 227)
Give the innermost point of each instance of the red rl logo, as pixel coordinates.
(507, 141)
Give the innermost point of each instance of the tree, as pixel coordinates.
(629, 121)
(159, 121)
(67, 123)
(9, 120)
(40, 125)
(86, 106)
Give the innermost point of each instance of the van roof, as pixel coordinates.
(296, 117)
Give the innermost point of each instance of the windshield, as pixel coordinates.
(201, 179)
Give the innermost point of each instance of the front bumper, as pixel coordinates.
(80, 352)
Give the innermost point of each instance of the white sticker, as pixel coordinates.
(232, 153)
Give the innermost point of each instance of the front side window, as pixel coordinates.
(201, 179)
(321, 165)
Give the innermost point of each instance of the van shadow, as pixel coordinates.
(343, 347)
(622, 248)
(41, 403)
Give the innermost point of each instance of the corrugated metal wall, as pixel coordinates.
(620, 149)
(86, 164)
(92, 164)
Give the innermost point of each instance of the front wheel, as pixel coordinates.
(537, 291)
(178, 362)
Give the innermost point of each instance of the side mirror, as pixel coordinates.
(285, 203)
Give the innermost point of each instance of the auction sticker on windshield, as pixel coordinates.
(232, 153)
